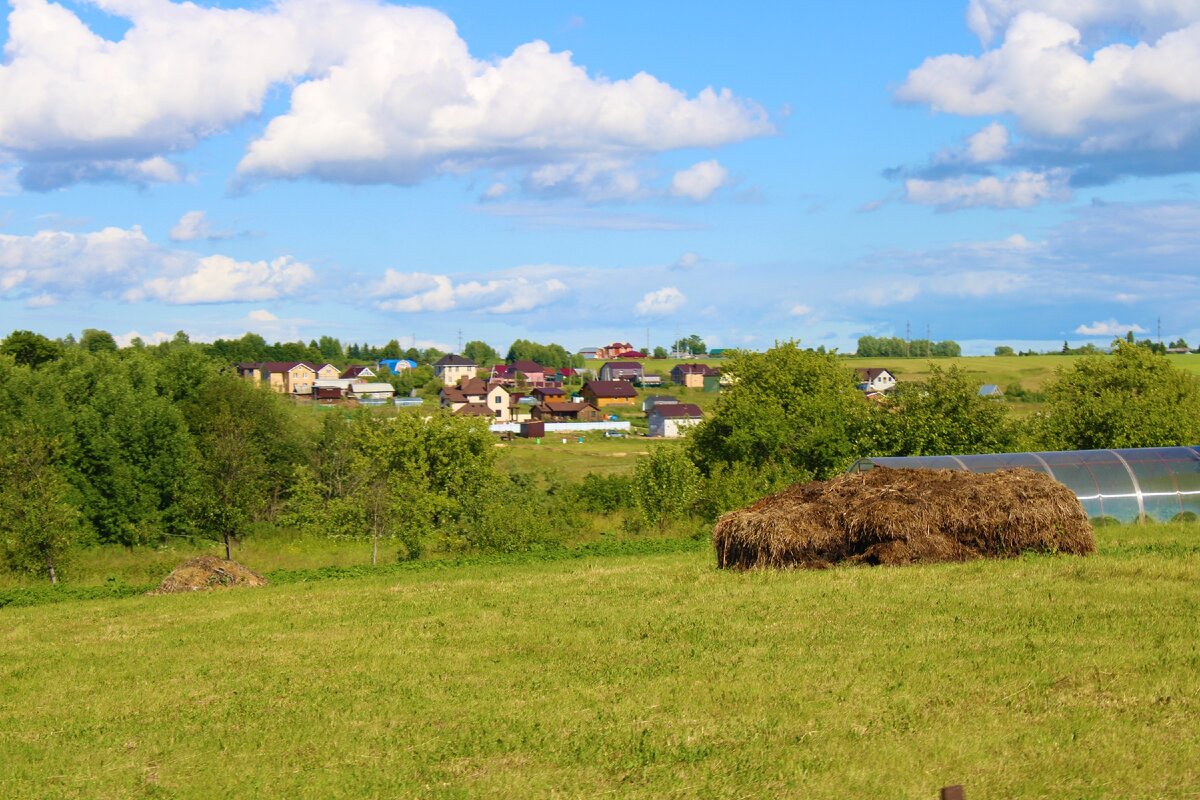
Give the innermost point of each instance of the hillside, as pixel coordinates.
(652, 676)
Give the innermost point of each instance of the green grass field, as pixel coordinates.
(651, 676)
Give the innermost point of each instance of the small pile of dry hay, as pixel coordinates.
(905, 516)
(208, 572)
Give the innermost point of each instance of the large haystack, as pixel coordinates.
(208, 572)
(905, 516)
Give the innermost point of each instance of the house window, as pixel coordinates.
(498, 399)
(499, 413)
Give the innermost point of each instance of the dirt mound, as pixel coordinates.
(208, 572)
(905, 516)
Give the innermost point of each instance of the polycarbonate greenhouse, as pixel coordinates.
(1159, 483)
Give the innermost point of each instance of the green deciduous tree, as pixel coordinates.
(30, 349)
(691, 344)
(942, 415)
(481, 353)
(38, 525)
(666, 484)
(788, 409)
(1133, 398)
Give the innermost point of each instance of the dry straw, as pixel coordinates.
(208, 572)
(905, 516)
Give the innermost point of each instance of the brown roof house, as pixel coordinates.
(567, 412)
(671, 420)
(609, 393)
(359, 372)
(621, 371)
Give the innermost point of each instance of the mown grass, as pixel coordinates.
(649, 676)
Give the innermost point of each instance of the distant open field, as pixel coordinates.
(1032, 372)
(652, 676)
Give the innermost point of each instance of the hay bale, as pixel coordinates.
(208, 572)
(905, 516)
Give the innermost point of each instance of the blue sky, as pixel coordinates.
(993, 171)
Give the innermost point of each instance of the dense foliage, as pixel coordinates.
(895, 347)
(1133, 398)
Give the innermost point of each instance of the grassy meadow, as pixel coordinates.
(649, 676)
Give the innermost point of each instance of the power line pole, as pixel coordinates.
(460, 340)
(928, 342)
(907, 339)
(1160, 330)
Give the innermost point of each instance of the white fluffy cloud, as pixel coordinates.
(801, 310)
(989, 144)
(1042, 74)
(380, 93)
(414, 292)
(1109, 328)
(221, 279)
(699, 181)
(49, 265)
(191, 226)
(661, 302)
(1019, 190)
(1096, 89)
(1151, 18)
(262, 315)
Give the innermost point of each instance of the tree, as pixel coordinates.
(38, 525)
(1179, 344)
(97, 341)
(30, 349)
(691, 344)
(943, 415)
(331, 349)
(660, 352)
(1132, 398)
(666, 484)
(247, 454)
(790, 410)
(481, 353)
(1004, 350)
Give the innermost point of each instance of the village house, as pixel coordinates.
(368, 392)
(397, 365)
(286, 377)
(671, 420)
(358, 372)
(875, 379)
(589, 352)
(548, 394)
(650, 402)
(990, 390)
(327, 372)
(567, 412)
(473, 410)
(614, 350)
(621, 371)
(453, 368)
(609, 393)
(691, 375)
(476, 389)
(452, 397)
(499, 400)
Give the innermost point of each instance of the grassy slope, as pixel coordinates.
(641, 677)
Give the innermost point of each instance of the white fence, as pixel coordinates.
(563, 427)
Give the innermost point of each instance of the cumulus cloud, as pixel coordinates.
(50, 265)
(262, 315)
(699, 181)
(221, 279)
(45, 176)
(1148, 18)
(414, 292)
(1109, 328)
(1020, 190)
(1098, 89)
(661, 302)
(191, 226)
(801, 310)
(379, 93)
(989, 144)
(126, 339)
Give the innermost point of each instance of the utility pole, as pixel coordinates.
(907, 339)
(1160, 330)
(460, 340)
(928, 342)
